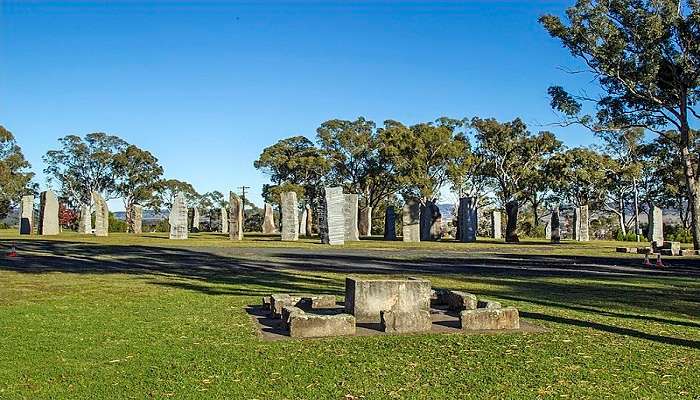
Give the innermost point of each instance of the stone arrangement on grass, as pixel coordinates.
(290, 216)
(48, 214)
(390, 305)
(26, 221)
(178, 218)
(101, 215)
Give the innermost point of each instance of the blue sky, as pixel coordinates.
(206, 86)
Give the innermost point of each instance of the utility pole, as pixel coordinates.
(243, 188)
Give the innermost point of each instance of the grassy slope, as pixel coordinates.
(117, 335)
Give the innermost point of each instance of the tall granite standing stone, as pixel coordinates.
(48, 214)
(194, 219)
(555, 226)
(496, 224)
(581, 224)
(235, 217)
(178, 218)
(26, 222)
(656, 225)
(101, 215)
(85, 222)
(137, 219)
(548, 230)
(411, 221)
(224, 220)
(352, 234)
(331, 216)
(390, 223)
(290, 216)
(365, 221)
(309, 219)
(269, 226)
(467, 218)
(430, 221)
(512, 222)
(302, 222)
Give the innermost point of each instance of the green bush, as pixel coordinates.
(115, 224)
(677, 233)
(162, 226)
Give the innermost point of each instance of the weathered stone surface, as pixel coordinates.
(269, 226)
(488, 304)
(367, 298)
(101, 215)
(430, 222)
(280, 300)
(235, 217)
(302, 222)
(496, 224)
(390, 224)
(467, 219)
(288, 312)
(137, 219)
(667, 248)
(555, 226)
(85, 222)
(352, 234)
(411, 221)
(548, 230)
(309, 219)
(689, 252)
(290, 216)
(266, 302)
(312, 325)
(178, 218)
(512, 222)
(320, 301)
(581, 224)
(656, 225)
(48, 214)
(331, 217)
(626, 249)
(457, 301)
(644, 250)
(224, 220)
(406, 322)
(365, 221)
(194, 219)
(26, 222)
(490, 319)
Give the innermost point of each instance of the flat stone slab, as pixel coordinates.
(626, 250)
(367, 298)
(490, 319)
(689, 252)
(458, 301)
(303, 325)
(406, 322)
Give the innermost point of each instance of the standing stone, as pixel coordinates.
(309, 219)
(85, 223)
(48, 214)
(269, 220)
(101, 215)
(178, 218)
(365, 223)
(430, 221)
(656, 225)
(496, 224)
(290, 216)
(581, 224)
(26, 222)
(467, 218)
(390, 224)
(137, 219)
(512, 222)
(235, 215)
(224, 220)
(331, 217)
(411, 221)
(555, 226)
(352, 234)
(194, 219)
(302, 222)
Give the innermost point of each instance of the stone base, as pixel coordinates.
(632, 250)
(309, 325)
(490, 319)
(667, 248)
(490, 304)
(288, 312)
(458, 301)
(406, 322)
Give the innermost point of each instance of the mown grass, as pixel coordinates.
(158, 320)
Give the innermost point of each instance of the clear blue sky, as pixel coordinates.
(206, 86)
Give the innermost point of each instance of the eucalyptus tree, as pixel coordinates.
(15, 177)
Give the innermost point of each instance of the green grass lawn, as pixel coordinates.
(145, 317)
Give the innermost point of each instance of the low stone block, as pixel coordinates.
(458, 301)
(288, 312)
(266, 300)
(490, 304)
(405, 322)
(367, 298)
(689, 252)
(323, 301)
(279, 301)
(626, 250)
(490, 319)
(644, 250)
(312, 325)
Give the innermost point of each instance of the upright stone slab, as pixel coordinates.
(548, 230)
(331, 216)
(85, 222)
(581, 224)
(269, 226)
(390, 224)
(512, 222)
(290, 216)
(656, 225)
(367, 298)
(309, 222)
(26, 222)
(194, 219)
(496, 224)
(365, 221)
(302, 223)
(235, 215)
(430, 222)
(467, 218)
(137, 219)
(178, 218)
(48, 214)
(555, 224)
(101, 215)
(224, 220)
(411, 221)
(352, 234)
